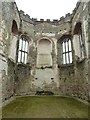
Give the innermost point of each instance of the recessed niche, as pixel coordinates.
(44, 57)
(14, 27)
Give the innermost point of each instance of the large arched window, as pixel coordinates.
(66, 51)
(22, 49)
(78, 41)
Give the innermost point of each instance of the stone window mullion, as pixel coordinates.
(67, 51)
(22, 52)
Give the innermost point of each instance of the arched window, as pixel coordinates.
(22, 50)
(79, 40)
(66, 51)
(14, 27)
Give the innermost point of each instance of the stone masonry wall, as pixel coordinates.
(20, 79)
(81, 66)
(7, 61)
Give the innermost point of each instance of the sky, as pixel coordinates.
(46, 9)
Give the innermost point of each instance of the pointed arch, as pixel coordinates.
(14, 27)
(77, 29)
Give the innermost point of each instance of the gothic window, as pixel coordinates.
(67, 51)
(78, 41)
(22, 50)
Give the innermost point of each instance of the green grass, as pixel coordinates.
(45, 107)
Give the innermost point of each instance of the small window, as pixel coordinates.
(22, 50)
(67, 51)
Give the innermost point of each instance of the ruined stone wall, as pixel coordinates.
(81, 15)
(20, 79)
(74, 78)
(81, 65)
(7, 53)
(25, 73)
(35, 33)
(8, 81)
(67, 79)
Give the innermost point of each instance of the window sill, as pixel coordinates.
(66, 65)
(22, 64)
(44, 67)
(80, 61)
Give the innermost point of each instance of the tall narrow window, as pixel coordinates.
(81, 44)
(78, 41)
(67, 51)
(22, 50)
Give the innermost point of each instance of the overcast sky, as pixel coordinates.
(46, 9)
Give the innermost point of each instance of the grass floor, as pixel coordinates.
(45, 107)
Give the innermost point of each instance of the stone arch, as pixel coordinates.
(63, 37)
(77, 28)
(45, 43)
(14, 27)
(44, 38)
(25, 36)
(44, 50)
